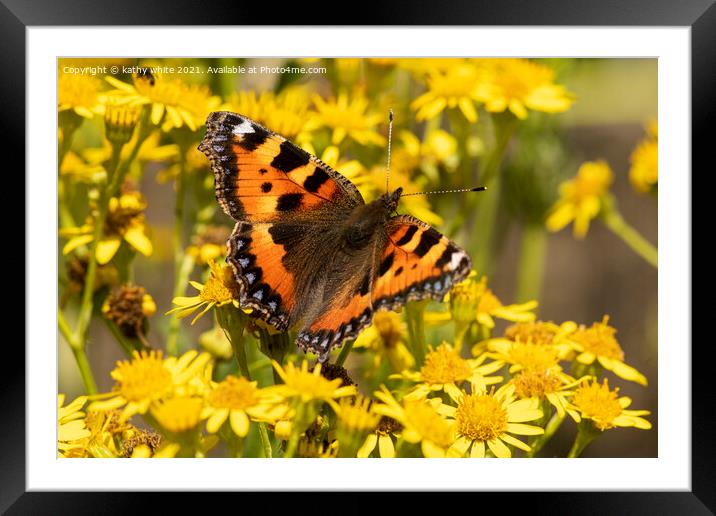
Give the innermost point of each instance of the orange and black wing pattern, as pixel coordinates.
(262, 177)
(417, 263)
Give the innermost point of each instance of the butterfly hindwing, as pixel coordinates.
(417, 263)
(265, 285)
(261, 177)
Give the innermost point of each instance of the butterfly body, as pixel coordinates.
(307, 251)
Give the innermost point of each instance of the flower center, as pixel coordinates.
(540, 333)
(444, 365)
(220, 288)
(123, 212)
(144, 377)
(388, 425)
(178, 414)
(234, 393)
(480, 417)
(598, 403)
(599, 340)
(535, 384)
(428, 423)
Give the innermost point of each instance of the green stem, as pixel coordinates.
(296, 432)
(185, 268)
(127, 346)
(345, 351)
(85, 371)
(414, 312)
(65, 329)
(265, 442)
(616, 223)
(86, 304)
(488, 204)
(531, 265)
(549, 431)
(586, 433)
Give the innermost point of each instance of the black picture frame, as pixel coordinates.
(700, 15)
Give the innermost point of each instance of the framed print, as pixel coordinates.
(437, 251)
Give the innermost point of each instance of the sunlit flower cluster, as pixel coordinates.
(476, 374)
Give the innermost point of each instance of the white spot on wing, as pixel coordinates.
(455, 260)
(243, 128)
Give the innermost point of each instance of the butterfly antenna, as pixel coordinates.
(476, 189)
(390, 135)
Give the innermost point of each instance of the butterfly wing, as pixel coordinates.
(261, 177)
(417, 263)
(286, 201)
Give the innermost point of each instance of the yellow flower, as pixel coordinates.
(75, 166)
(220, 289)
(644, 171)
(79, 93)
(522, 355)
(519, 85)
(209, 245)
(543, 333)
(106, 428)
(445, 370)
(286, 113)
(148, 377)
(550, 384)
(124, 221)
(421, 422)
(120, 120)
(386, 338)
(427, 65)
(383, 438)
(302, 386)
(598, 343)
(472, 300)
(237, 399)
(601, 405)
(178, 414)
(458, 87)
(72, 432)
(438, 150)
(355, 421)
(168, 451)
(172, 102)
(483, 418)
(581, 198)
(347, 117)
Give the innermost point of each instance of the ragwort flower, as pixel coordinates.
(487, 419)
(124, 221)
(421, 420)
(644, 171)
(238, 400)
(80, 93)
(386, 338)
(72, 433)
(518, 85)
(601, 405)
(581, 198)
(387, 429)
(220, 289)
(347, 117)
(597, 343)
(445, 370)
(457, 87)
(149, 377)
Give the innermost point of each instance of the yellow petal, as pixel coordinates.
(385, 447)
(459, 447)
(499, 449)
(520, 429)
(478, 450)
(106, 249)
(76, 242)
(515, 442)
(239, 422)
(137, 239)
(368, 446)
(216, 420)
(431, 450)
